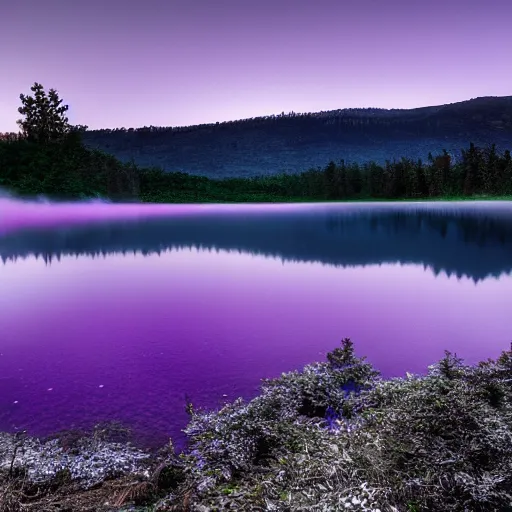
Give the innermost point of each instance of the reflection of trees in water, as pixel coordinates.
(476, 243)
(482, 231)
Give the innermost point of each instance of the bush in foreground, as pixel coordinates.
(334, 436)
(338, 437)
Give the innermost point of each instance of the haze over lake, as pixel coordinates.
(120, 312)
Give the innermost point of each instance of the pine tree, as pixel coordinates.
(506, 187)
(45, 119)
(490, 171)
(471, 161)
(330, 180)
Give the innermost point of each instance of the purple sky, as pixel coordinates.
(170, 63)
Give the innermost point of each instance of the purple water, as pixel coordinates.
(117, 312)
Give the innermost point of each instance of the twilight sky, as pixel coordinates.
(182, 62)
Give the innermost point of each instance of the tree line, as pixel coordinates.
(48, 157)
(479, 171)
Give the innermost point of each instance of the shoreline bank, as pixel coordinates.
(332, 434)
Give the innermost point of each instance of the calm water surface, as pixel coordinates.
(119, 312)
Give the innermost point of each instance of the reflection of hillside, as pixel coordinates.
(475, 243)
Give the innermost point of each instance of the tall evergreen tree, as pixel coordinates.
(506, 181)
(421, 180)
(490, 170)
(45, 119)
(330, 180)
(472, 169)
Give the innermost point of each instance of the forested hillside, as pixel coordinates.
(49, 156)
(294, 142)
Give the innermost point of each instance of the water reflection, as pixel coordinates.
(220, 300)
(474, 242)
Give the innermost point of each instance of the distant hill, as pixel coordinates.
(297, 142)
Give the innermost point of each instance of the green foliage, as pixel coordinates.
(45, 119)
(294, 142)
(66, 169)
(478, 173)
(49, 158)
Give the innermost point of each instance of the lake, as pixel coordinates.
(123, 312)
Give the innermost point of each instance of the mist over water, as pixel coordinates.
(18, 214)
(40, 212)
(117, 311)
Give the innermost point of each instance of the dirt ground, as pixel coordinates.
(113, 495)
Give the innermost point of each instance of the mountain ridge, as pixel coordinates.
(295, 142)
(475, 102)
